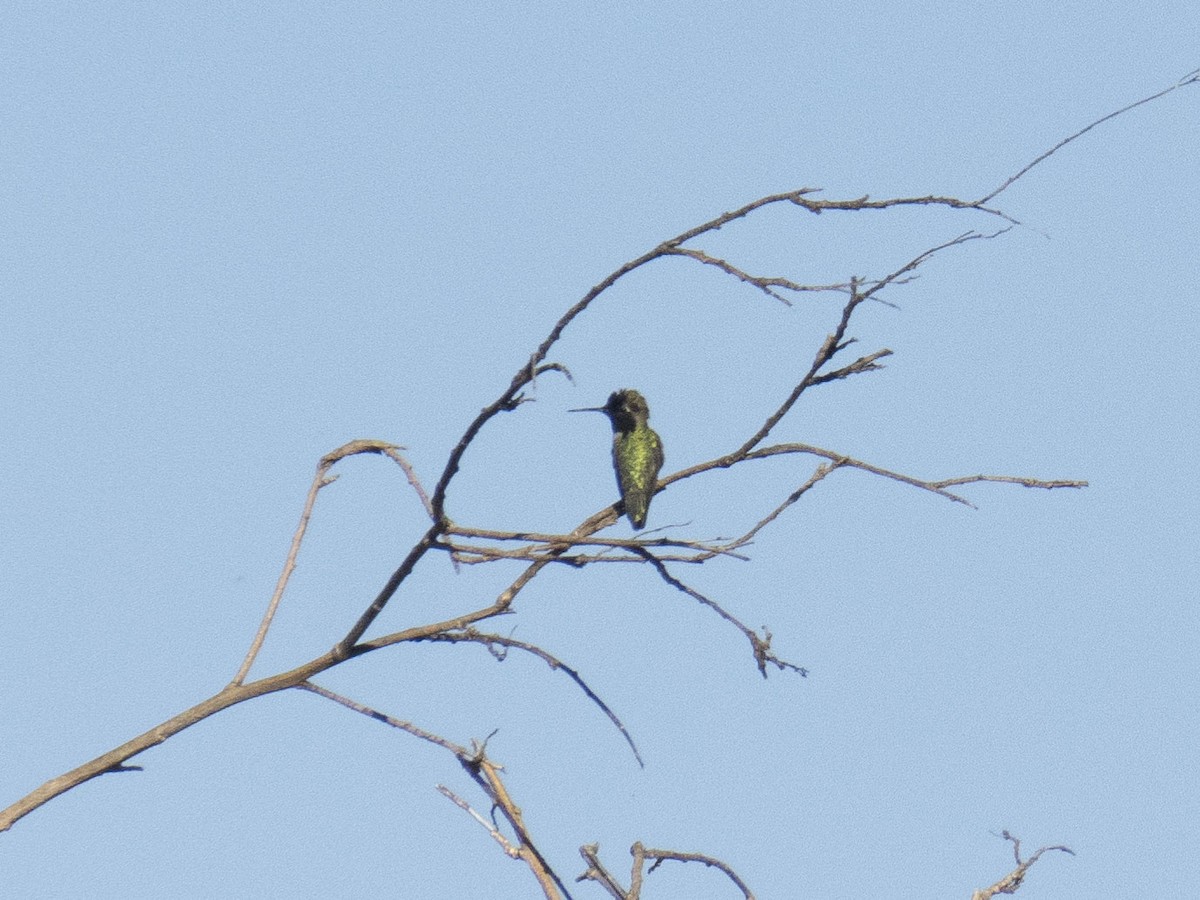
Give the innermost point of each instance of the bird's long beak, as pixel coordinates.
(590, 409)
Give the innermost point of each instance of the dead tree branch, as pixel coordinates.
(580, 547)
(1010, 882)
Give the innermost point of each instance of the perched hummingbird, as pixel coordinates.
(637, 451)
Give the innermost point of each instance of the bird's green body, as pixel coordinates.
(637, 451)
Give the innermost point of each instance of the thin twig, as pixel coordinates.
(766, 284)
(491, 829)
(819, 474)
(378, 716)
(470, 635)
(935, 487)
(1190, 78)
(320, 480)
(411, 474)
(761, 646)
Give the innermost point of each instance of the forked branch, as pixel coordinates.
(580, 546)
(1013, 880)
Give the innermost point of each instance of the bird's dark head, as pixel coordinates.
(626, 409)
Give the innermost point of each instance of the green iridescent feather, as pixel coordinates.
(637, 457)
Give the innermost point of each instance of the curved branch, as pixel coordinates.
(761, 646)
(320, 480)
(470, 635)
(660, 856)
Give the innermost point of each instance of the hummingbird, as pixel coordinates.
(637, 451)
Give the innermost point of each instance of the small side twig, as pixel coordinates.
(491, 829)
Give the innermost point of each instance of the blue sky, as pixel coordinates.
(237, 236)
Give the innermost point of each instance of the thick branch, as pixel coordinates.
(114, 759)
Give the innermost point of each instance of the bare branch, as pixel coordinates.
(660, 856)
(410, 473)
(480, 554)
(491, 641)
(378, 716)
(761, 646)
(487, 775)
(345, 646)
(866, 202)
(862, 364)
(554, 547)
(765, 284)
(598, 873)
(1005, 479)
(114, 759)
(936, 487)
(1010, 882)
(491, 829)
(836, 342)
(819, 474)
(320, 480)
(547, 549)
(1190, 78)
